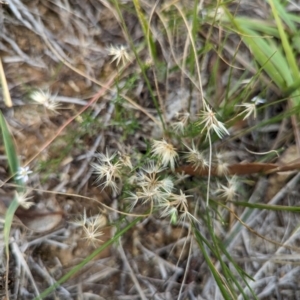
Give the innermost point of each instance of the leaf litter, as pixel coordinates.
(152, 258)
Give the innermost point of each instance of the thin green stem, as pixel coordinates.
(209, 169)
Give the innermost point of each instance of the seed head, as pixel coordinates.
(229, 191)
(166, 152)
(22, 199)
(152, 195)
(175, 206)
(211, 123)
(125, 159)
(108, 171)
(152, 167)
(250, 108)
(222, 165)
(180, 125)
(119, 53)
(133, 199)
(91, 230)
(195, 157)
(45, 98)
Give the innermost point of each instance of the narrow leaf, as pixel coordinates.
(6, 95)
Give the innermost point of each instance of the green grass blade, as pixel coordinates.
(13, 166)
(265, 27)
(240, 271)
(268, 56)
(215, 273)
(9, 147)
(9, 215)
(293, 88)
(281, 12)
(228, 276)
(285, 42)
(145, 28)
(265, 50)
(6, 94)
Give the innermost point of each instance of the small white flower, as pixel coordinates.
(152, 188)
(22, 199)
(166, 152)
(149, 180)
(257, 100)
(212, 123)
(23, 173)
(149, 62)
(46, 99)
(119, 53)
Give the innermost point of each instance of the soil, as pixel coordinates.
(39, 42)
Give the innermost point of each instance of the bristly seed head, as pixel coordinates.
(46, 99)
(182, 122)
(108, 171)
(250, 108)
(91, 227)
(166, 152)
(221, 164)
(91, 230)
(119, 54)
(229, 191)
(125, 159)
(211, 123)
(196, 158)
(22, 199)
(177, 205)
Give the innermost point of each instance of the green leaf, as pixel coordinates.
(9, 147)
(13, 165)
(9, 215)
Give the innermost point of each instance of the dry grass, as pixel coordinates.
(62, 47)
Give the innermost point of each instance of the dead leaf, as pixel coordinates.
(42, 217)
(238, 169)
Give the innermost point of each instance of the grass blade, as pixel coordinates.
(9, 147)
(6, 95)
